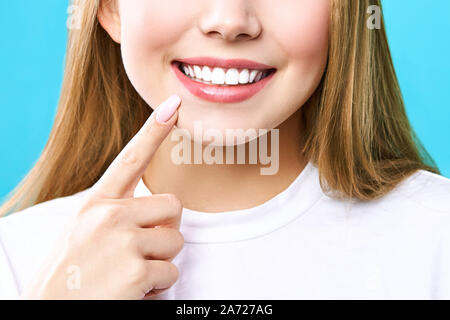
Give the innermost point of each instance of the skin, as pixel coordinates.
(153, 33)
(117, 246)
(139, 237)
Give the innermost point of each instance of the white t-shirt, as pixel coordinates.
(301, 244)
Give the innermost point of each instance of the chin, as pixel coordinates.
(217, 131)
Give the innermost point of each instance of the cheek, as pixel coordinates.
(151, 23)
(148, 30)
(301, 28)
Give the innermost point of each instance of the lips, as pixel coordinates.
(233, 92)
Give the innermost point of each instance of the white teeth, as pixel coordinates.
(198, 72)
(244, 76)
(218, 76)
(206, 73)
(232, 76)
(186, 70)
(191, 72)
(258, 76)
(253, 75)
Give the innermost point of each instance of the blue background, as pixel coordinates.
(32, 43)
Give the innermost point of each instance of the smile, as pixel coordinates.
(219, 80)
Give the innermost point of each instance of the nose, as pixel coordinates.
(230, 20)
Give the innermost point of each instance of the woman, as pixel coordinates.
(351, 206)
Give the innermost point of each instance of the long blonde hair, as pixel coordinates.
(357, 131)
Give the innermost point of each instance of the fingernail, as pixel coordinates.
(167, 109)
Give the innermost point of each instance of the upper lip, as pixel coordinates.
(225, 63)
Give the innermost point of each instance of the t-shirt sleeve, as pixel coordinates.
(8, 284)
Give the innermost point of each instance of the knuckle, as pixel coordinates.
(128, 157)
(137, 272)
(111, 215)
(148, 129)
(166, 268)
(102, 214)
(129, 240)
(178, 240)
(172, 269)
(113, 210)
(88, 213)
(174, 203)
(86, 206)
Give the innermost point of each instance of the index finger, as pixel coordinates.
(122, 176)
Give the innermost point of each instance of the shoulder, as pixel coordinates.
(27, 236)
(423, 191)
(417, 209)
(41, 218)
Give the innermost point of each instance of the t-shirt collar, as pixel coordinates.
(238, 225)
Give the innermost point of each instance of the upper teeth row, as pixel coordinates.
(222, 76)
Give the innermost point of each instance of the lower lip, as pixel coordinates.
(218, 93)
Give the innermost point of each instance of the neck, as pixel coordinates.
(225, 187)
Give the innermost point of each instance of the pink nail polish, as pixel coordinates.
(167, 109)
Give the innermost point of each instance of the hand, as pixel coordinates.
(118, 246)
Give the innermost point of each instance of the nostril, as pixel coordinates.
(243, 36)
(229, 37)
(214, 34)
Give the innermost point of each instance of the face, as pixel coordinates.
(282, 45)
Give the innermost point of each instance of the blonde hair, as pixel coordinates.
(357, 131)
